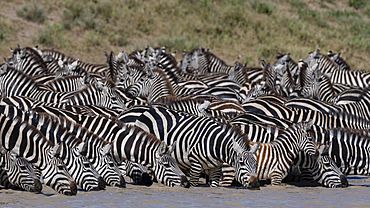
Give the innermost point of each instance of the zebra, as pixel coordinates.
(202, 61)
(14, 82)
(199, 155)
(353, 78)
(28, 61)
(112, 130)
(68, 83)
(88, 67)
(278, 110)
(349, 149)
(151, 87)
(73, 150)
(20, 172)
(339, 60)
(99, 158)
(25, 141)
(97, 93)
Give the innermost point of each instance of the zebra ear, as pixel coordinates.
(263, 63)
(237, 148)
(4, 69)
(171, 148)
(56, 150)
(125, 57)
(106, 149)
(82, 148)
(255, 147)
(309, 125)
(162, 149)
(204, 106)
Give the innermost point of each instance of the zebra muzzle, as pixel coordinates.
(344, 181)
(253, 183)
(37, 186)
(184, 182)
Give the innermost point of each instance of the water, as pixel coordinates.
(158, 195)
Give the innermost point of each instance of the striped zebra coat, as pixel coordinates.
(25, 141)
(202, 144)
(19, 172)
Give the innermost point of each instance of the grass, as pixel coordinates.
(33, 12)
(244, 30)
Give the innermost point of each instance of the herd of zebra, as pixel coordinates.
(146, 116)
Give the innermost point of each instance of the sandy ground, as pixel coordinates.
(158, 195)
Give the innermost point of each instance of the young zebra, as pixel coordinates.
(19, 172)
(202, 144)
(275, 158)
(25, 141)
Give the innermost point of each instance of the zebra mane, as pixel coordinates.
(238, 133)
(226, 104)
(329, 59)
(164, 79)
(209, 56)
(350, 118)
(67, 123)
(54, 122)
(363, 133)
(168, 100)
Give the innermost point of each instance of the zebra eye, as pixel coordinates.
(111, 164)
(60, 167)
(86, 164)
(23, 167)
(113, 98)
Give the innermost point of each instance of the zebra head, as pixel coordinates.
(245, 166)
(141, 88)
(257, 89)
(107, 167)
(20, 172)
(83, 172)
(165, 167)
(304, 134)
(55, 174)
(326, 171)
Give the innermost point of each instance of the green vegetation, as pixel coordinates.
(32, 12)
(243, 30)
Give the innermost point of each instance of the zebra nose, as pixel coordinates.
(343, 180)
(253, 183)
(122, 182)
(38, 185)
(146, 180)
(184, 182)
(72, 188)
(101, 183)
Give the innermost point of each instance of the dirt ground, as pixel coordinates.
(158, 195)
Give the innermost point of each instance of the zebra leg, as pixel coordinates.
(277, 176)
(195, 172)
(216, 176)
